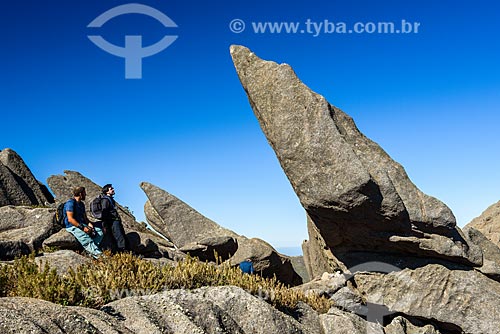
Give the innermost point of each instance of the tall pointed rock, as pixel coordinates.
(360, 201)
(18, 186)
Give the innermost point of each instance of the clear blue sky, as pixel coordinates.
(430, 99)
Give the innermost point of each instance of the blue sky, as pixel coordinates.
(430, 99)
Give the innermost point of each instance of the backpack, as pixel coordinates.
(96, 207)
(60, 214)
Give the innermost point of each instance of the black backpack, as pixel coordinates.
(96, 207)
(60, 214)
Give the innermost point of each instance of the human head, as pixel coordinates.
(79, 192)
(108, 189)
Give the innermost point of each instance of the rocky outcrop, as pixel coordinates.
(176, 220)
(488, 223)
(359, 199)
(18, 186)
(456, 300)
(491, 253)
(210, 310)
(35, 316)
(62, 186)
(23, 230)
(184, 226)
(140, 239)
(318, 257)
(206, 310)
(228, 310)
(300, 267)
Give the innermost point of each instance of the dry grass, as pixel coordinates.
(114, 277)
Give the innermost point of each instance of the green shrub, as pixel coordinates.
(113, 277)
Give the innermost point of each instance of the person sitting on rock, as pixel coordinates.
(78, 224)
(247, 266)
(112, 223)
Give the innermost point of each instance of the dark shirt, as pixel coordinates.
(109, 212)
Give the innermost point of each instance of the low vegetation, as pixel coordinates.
(122, 275)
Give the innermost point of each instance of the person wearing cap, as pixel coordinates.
(112, 223)
(78, 224)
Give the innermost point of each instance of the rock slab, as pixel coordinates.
(186, 227)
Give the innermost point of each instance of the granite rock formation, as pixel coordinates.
(360, 201)
(491, 253)
(228, 310)
(23, 230)
(140, 239)
(18, 186)
(185, 226)
(488, 223)
(456, 300)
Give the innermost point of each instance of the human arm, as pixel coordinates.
(75, 223)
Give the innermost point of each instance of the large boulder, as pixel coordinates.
(140, 239)
(213, 310)
(18, 186)
(226, 309)
(454, 300)
(360, 200)
(62, 240)
(23, 229)
(62, 260)
(176, 220)
(28, 315)
(488, 223)
(186, 227)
